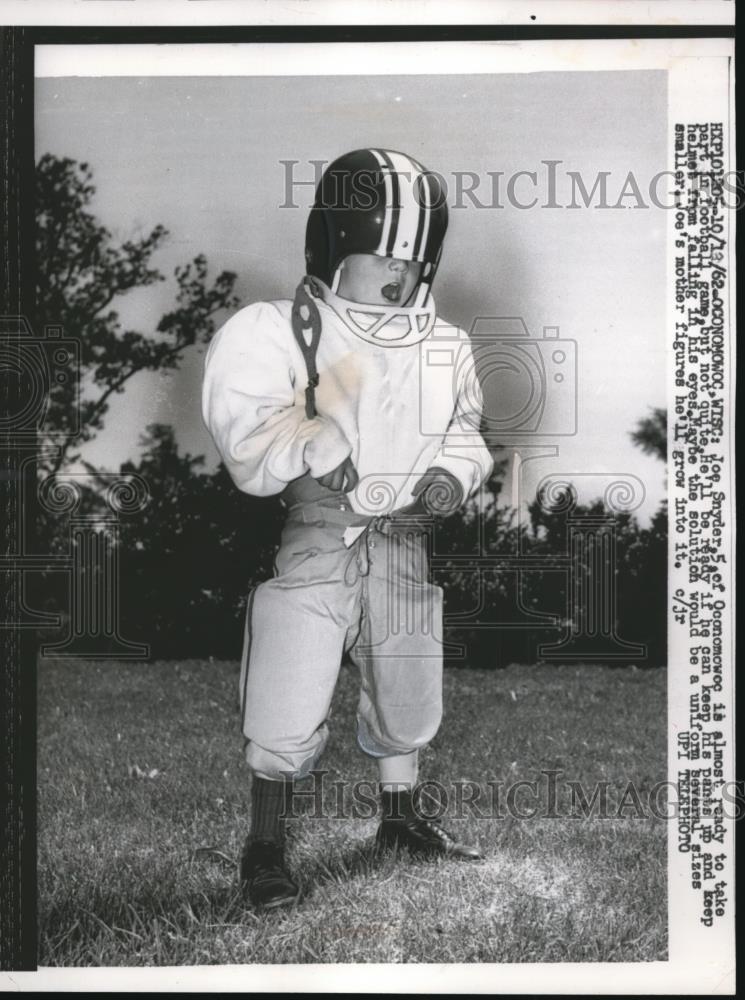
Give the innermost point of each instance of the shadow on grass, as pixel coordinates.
(361, 861)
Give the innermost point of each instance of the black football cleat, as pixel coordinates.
(265, 880)
(422, 837)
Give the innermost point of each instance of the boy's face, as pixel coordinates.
(372, 280)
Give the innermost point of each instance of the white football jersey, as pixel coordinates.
(395, 409)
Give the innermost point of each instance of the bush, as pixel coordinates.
(190, 557)
(515, 601)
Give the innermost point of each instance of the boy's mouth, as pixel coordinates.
(392, 291)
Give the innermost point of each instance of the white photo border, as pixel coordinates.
(701, 81)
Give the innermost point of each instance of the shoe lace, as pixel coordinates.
(433, 826)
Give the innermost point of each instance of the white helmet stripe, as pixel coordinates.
(411, 210)
(388, 203)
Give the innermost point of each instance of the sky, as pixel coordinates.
(204, 156)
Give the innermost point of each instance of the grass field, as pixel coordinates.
(140, 766)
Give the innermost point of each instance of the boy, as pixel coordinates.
(359, 477)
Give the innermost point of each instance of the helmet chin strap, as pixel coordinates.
(306, 327)
(387, 326)
(383, 325)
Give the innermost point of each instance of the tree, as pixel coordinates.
(650, 434)
(81, 272)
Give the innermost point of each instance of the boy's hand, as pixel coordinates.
(342, 479)
(437, 493)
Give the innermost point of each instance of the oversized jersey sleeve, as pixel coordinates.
(253, 412)
(463, 452)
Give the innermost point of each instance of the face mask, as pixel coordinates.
(386, 326)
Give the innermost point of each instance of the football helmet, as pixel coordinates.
(381, 202)
(370, 201)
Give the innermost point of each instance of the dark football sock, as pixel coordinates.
(269, 807)
(398, 804)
